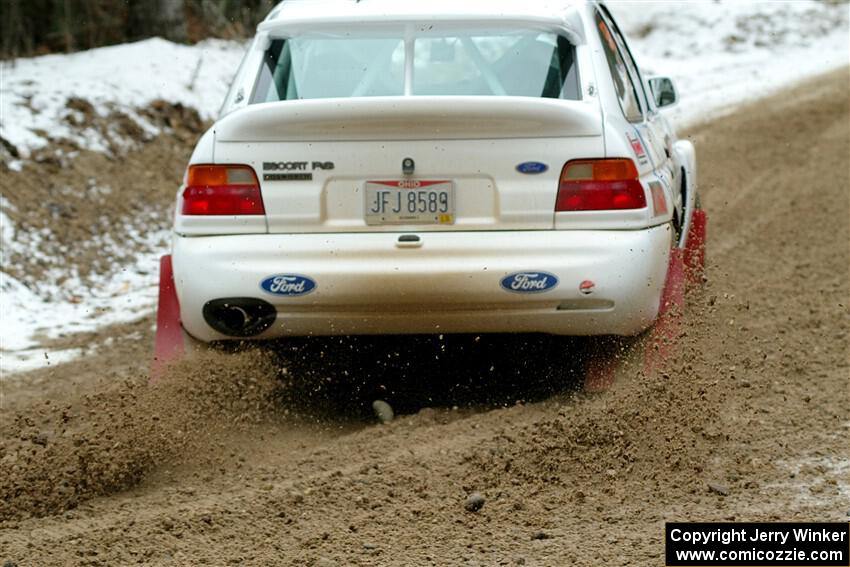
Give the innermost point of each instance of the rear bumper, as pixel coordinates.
(372, 284)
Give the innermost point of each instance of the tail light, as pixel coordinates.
(600, 185)
(222, 190)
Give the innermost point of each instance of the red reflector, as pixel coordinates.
(600, 185)
(222, 190)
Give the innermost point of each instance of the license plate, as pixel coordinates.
(409, 201)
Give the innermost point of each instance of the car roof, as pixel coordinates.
(295, 15)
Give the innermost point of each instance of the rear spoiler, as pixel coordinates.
(410, 118)
(293, 18)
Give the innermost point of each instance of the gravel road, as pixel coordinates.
(495, 457)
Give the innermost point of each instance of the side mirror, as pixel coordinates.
(663, 91)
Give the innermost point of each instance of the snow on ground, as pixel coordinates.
(33, 109)
(721, 53)
(27, 318)
(125, 77)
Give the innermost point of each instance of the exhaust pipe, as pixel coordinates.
(239, 316)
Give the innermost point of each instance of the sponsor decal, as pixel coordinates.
(586, 287)
(637, 147)
(529, 282)
(291, 285)
(532, 167)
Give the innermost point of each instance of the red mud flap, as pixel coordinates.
(695, 250)
(662, 337)
(168, 346)
(687, 266)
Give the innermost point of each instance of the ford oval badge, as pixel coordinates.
(530, 282)
(288, 284)
(532, 167)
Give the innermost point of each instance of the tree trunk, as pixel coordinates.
(173, 19)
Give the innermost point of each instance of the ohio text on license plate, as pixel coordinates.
(410, 201)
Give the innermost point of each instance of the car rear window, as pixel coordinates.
(516, 63)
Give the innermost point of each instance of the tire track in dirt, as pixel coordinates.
(739, 224)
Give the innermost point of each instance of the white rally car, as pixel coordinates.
(431, 166)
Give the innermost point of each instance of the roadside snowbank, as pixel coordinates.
(27, 319)
(34, 113)
(720, 53)
(34, 106)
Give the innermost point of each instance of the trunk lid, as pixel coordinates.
(493, 161)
